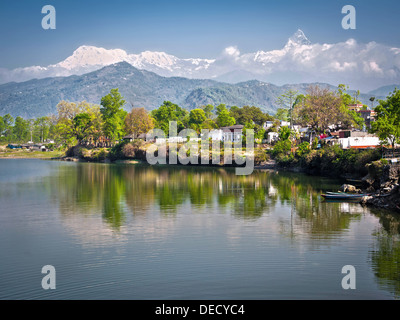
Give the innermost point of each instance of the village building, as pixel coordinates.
(232, 133)
(348, 139)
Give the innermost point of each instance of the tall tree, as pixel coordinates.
(196, 119)
(21, 129)
(348, 119)
(208, 111)
(8, 123)
(288, 101)
(167, 112)
(41, 128)
(282, 114)
(320, 108)
(387, 120)
(138, 121)
(113, 115)
(2, 127)
(70, 127)
(248, 114)
(224, 118)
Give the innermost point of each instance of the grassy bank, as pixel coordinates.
(27, 154)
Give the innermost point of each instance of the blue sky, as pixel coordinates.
(184, 28)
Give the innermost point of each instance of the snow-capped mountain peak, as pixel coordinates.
(297, 39)
(86, 56)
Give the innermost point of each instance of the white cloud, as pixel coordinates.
(232, 51)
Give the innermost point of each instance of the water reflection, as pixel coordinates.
(154, 216)
(116, 190)
(385, 255)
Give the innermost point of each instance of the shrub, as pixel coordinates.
(302, 149)
(128, 150)
(99, 155)
(116, 151)
(282, 147)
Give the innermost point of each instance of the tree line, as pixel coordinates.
(105, 123)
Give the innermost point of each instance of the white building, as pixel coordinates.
(268, 124)
(231, 133)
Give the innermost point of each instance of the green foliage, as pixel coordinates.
(99, 155)
(196, 119)
(282, 147)
(208, 111)
(282, 114)
(116, 152)
(284, 133)
(249, 114)
(387, 120)
(334, 161)
(302, 149)
(224, 118)
(113, 115)
(260, 134)
(169, 112)
(314, 144)
(21, 129)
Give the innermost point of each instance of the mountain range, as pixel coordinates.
(363, 66)
(141, 88)
(149, 78)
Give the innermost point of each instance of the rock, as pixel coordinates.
(349, 188)
(387, 189)
(364, 200)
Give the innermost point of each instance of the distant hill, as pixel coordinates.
(385, 90)
(140, 88)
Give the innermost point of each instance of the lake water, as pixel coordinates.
(140, 232)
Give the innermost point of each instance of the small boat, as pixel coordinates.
(343, 196)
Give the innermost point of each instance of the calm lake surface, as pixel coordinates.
(140, 232)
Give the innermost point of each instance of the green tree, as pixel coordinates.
(288, 101)
(282, 114)
(2, 127)
(82, 124)
(41, 128)
(196, 119)
(69, 126)
(284, 133)
(208, 111)
(8, 122)
(224, 118)
(249, 114)
(167, 112)
(387, 119)
(113, 115)
(21, 129)
(348, 118)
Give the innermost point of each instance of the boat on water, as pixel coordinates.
(343, 196)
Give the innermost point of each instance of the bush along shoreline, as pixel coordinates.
(136, 151)
(329, 161)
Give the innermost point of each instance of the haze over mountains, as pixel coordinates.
(232, 78)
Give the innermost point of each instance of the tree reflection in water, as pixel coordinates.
(115, 191)
(385, 255)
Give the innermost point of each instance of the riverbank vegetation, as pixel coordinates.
(94, 132)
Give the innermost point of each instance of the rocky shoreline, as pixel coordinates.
(385, 189)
